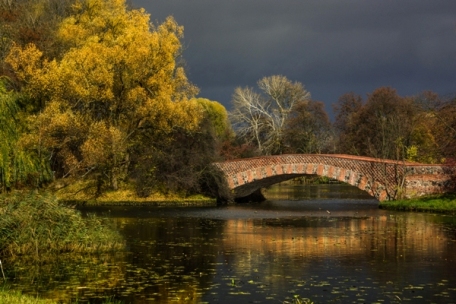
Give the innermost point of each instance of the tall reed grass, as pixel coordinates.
(8, 296)
(34, 225)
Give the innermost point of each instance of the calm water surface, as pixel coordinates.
(329, 243)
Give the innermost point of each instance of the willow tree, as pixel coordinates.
(117, 86)
(217, 116)
(21, 164)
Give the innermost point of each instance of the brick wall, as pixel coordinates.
(380, 178)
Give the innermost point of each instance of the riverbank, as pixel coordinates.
(36, 226)
(79, 194)
(15, 297)
(445, 203)
(36, 229)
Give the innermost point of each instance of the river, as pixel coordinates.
(327, 243)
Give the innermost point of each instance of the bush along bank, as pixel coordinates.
(37, 226)
(445, 203)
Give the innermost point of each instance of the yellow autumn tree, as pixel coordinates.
(116, 80)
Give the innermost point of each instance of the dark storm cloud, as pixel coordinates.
(331, 46)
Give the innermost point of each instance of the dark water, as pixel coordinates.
(328, 243)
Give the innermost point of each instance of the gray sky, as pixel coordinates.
(331, 46)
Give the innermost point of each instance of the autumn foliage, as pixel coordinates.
(113, 94)
(418, 128)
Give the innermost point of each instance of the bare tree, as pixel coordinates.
(260, 118)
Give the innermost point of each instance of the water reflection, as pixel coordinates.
(330, 250)
(296, 191)
(327, 256)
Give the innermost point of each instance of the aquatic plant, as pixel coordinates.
(298, 300)
(34, 225)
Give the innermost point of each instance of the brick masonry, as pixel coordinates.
(383, 179)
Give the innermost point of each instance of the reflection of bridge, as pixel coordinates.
(383, 179)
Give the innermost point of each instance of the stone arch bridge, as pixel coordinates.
(383, 179)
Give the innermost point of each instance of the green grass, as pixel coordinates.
(445, 203)
(15, 297)
(38, 226)
(82, 193)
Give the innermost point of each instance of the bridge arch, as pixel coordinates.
(379, 178)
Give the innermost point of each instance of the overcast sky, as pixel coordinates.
(331, 46)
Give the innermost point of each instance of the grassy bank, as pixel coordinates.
(15, 297)
(81, 193)
(36, 226)
(445, 203)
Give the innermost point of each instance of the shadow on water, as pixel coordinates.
(329, 246)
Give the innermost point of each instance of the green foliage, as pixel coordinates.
(8, 296)
(20, 164)
(15, 297)
(180, 163)
(217, 115)
(437, 203)
(412, 153)
(213, 184)
(35, 226)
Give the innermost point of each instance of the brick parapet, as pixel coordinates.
(379, 178)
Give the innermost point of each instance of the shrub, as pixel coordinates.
(35, 225)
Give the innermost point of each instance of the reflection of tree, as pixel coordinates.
(384, 238)
(293, 190)
(174, 257)
(168, 260)
(67, 276)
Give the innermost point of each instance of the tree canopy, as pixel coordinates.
(389, 126)
(115, 86)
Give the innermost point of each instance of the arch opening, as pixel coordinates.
(250, 190)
